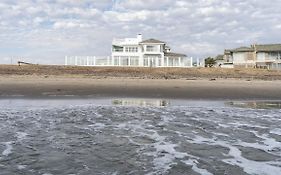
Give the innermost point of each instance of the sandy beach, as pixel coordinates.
(38, 81)
(63, 86)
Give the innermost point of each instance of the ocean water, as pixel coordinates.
(139, 136)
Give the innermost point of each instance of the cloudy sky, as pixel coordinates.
(44, 31)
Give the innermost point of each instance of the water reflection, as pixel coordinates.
(141, 102)
(257, 104)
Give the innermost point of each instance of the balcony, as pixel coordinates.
(118, 50)
(126, 41)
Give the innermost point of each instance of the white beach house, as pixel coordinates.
(146, 53)
(135, 52)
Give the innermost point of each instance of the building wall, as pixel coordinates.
(260, 56)
(228, 58)
(239, 57)
(244, 59)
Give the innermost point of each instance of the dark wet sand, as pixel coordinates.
(47, 87)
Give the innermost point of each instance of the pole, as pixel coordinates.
(65, 61)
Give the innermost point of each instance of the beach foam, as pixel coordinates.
(8, 149)
(142, 140)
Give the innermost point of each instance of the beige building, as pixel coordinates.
(259, 56)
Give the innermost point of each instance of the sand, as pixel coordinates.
(43, 81)
(145, 73)
(36, 86)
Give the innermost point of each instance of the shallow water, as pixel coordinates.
(146, 136)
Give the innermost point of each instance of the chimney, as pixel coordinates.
(139, 37)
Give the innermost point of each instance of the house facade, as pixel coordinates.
(135, 52)
(259, 56)
(146, 53)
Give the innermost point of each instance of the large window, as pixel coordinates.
(131, 49)
(124, 61)
(150, 48)
(117, 49)
(274, 55)
(134, 61)
(145, 61)
(159, 61)
(116, 60)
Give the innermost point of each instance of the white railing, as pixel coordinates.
(147, 62)
(125, 41)
(88, 60)
(178, 62)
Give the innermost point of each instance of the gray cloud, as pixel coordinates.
(44, 31)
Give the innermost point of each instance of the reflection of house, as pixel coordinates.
(135, 52)
(141, 102)
(268, 56)
(146, 53)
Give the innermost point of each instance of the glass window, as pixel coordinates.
(165, 61)
(116, 61)
(124, 61)
(159, 62)
(131, 49)
(134, 61)
(117, 49)
(273, 55)
(171, 62)
(145, 61)
(150, 48)
(279, 55)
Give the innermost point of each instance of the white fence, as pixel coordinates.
(127, 61)
(88, 60)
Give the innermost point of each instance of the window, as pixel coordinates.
(159, 62)
(124, 61)
(165, 61)
(117, 49)
(145, 61)
(274, 56)
(131, 49)
(150, 48)
(116, 61)
(134, 61)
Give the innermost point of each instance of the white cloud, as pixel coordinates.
(70, 24)
(46, 30)
(143, 4)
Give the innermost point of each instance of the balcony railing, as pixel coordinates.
(125, 41)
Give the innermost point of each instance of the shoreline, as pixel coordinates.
(33, 87)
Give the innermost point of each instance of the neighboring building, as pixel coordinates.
(136, 52)
(260, 56)
(268, 55)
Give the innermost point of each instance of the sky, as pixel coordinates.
(44, 31)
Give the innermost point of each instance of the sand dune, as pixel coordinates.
(149, 73)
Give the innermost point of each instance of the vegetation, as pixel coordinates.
(138, 72)
(210, 62)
